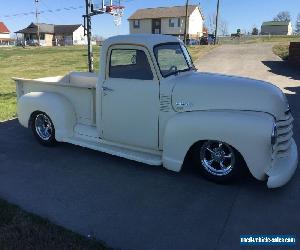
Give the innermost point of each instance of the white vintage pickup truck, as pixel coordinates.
(149, 104)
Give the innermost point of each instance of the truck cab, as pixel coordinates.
(149, 104)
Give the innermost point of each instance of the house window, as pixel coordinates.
(174, 22)
(136, 24)
(129, 64)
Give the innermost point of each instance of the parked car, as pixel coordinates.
(193, 42)
(149, 104)
(204, 40)
(211, 39)
(207, 40)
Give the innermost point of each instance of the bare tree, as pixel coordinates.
(283, 16)
(223, 28)
(297, 25)
(255, 31)
(98, 38)
(211, 25)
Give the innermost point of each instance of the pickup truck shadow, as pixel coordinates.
(83, 190)
(283, 68)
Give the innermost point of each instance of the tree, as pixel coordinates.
(211, 25)
(283, 16)
(297, 25)
(254, 31)
(98, 38)
(223, 28)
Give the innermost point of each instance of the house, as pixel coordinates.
(5, 38)
(168, 21)
(69, 35)
(277, 28)
(54, 35)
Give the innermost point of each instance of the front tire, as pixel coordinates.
(43, 129)
(217, 161)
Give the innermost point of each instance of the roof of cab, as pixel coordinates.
(149, 40)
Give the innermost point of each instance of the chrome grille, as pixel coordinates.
(284, 136)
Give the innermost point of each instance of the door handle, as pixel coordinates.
(106, 89)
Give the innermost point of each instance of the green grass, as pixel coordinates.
(21, 230)
(34, 62)
(198, 51)
(281, 50)
(259, 39)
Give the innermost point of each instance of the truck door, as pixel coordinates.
(130, 98)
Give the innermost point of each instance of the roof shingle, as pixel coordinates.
(33, 27)
(3, 28)
(65, 29)
(276, 23)
(50, 28)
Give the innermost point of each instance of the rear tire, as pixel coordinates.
(43, 129)
(218, 162)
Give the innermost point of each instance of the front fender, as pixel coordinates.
(248, 132)
(56, 106)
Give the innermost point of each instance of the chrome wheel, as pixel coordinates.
(217, 158)
(43, 127)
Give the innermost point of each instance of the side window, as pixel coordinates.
(174, 22)
(136, 24)
(129, 64)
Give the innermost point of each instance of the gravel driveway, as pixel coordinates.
(134, 206)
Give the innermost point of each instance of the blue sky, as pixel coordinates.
(243, 14)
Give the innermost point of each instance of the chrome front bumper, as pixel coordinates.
(283, 168)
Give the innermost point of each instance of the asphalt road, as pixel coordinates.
(130, 205)
(250, 60)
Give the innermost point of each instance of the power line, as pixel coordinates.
(46, 6)
(71, 8)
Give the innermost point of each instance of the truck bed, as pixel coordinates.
(78, 87)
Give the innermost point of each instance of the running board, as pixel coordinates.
(147, 158)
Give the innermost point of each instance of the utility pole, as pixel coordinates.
(217, 17)
(186, 21)
(88, 26)
(37, 20)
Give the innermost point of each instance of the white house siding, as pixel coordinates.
(195, 27)
(145, 27)
(4, 35)
(78, 37)
(290, 30)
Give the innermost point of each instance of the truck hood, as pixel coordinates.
(196, 91)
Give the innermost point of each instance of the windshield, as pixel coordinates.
(172, 58)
